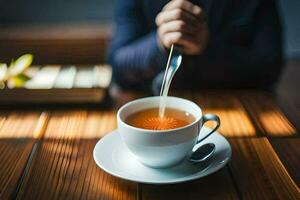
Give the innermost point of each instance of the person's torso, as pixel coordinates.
(233, 20)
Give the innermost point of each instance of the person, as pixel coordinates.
(225, 43)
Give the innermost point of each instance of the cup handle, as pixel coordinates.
(206, 118)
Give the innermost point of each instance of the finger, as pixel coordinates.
(179, 39)
(177, 26)
(189, 47)
(176, 14)
(189, 50)
(185, 5)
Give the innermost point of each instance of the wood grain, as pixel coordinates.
(288, 150)
(16, 141)
(234, 119)
(215, 186)
(267, 115)
(63, 167)
(258, 171)
(99, 124)
(291, 107)
(19, 124)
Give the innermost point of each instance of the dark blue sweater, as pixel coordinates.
(244, 50)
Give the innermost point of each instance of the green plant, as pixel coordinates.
(13, 76)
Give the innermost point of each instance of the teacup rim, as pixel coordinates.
(157, 131)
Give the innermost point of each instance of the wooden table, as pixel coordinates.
(47, 154)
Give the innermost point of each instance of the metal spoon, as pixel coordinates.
(174, 62)
(203, 152)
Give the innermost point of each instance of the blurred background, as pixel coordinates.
(64, 32)
(78, 32)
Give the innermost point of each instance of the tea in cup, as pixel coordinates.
(162, 142)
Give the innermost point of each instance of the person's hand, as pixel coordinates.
(182, 23)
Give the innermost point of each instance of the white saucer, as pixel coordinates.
(111, 155)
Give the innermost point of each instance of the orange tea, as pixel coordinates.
(149, 119)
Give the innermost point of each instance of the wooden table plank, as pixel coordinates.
(291, 107)
(99, 124)
(63, 166)
(215, 186)
(16, 141)
(235, 121)
(258, 171)
(269, 118)
(288, 150)
(272, 122)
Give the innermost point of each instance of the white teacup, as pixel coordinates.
(162, 148)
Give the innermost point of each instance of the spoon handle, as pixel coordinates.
(166, 72)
